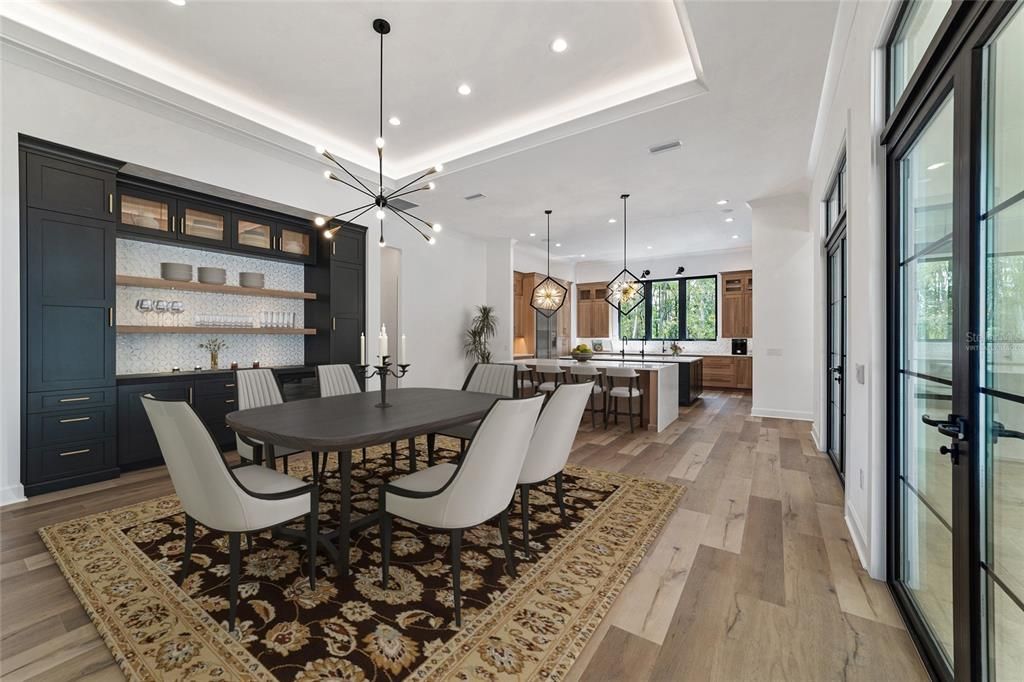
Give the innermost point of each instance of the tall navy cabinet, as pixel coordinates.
(68, 302)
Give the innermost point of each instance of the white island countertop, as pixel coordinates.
(658, 380)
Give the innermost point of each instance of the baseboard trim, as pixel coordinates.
(817, 439)
(782, 414)
(857, 534)
(11, 494)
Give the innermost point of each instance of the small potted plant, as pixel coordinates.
(214, 346)
(582, 353)
(675, 348)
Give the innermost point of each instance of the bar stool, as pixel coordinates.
(590, 373)
(524, 380)
(545, 369)
(629, 391)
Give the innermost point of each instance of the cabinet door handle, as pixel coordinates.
(332, 248)
(110, 203)
(69, 453)
(189, 395)
(110, 317)
(229, 385)
(72, 420)
(76, 400)
(333, 327)
(229, 401)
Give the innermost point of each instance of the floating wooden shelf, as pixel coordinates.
(157, 283)
(153, 329)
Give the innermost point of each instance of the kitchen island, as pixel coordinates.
(658, 380)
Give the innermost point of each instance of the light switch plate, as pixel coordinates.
(860, 374)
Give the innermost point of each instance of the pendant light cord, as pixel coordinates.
(624, 197)
(549, 244)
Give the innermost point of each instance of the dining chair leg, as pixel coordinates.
(234, 550)
(456, 544)
(394, 454)
(385, 548)
(286, 463)
(524, 502)
(190, 535)
(412, 454)
(630, 407)
(313, 534)
(315, 457)
(248, 542)
(462, 447)
(323, 464)
(510, 557)
(431, 446)
(560, 495)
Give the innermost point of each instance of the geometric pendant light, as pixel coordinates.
(625, 291)
(549, 295)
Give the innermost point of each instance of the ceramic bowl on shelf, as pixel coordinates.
(176, 272)
(251, 280)
(212, 275)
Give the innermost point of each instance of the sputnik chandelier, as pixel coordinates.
(625, 291)
(381, 200)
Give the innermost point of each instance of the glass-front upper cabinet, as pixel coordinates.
(262, 234)
(145, 212)
(202, 223)
(252, 233)
(295, 242)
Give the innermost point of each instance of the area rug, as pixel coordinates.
(125, 566)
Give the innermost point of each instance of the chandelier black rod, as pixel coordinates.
(380, 148)
(360, 215)
(349, 184)
(412, 226)
(411, 191)
(349, 173)
(353, 210)
(412, 182)
(401, 210)
(624, 197)
(548, 213)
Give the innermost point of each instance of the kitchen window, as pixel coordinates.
(674, 310)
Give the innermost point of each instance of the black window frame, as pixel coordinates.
(648, 300)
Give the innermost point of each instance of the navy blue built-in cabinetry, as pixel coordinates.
(68, 334)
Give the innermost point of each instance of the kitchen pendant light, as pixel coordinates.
(380, 200)
(549, 295)
(625, 291)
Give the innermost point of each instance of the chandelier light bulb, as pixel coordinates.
(320, 149)
(438, 167)
(320, 221)
(432, 241)
(328, 234)
(380, 214)
(327, 175)
(436, 227)
(382, 243)
(431, 186)
(380, 143)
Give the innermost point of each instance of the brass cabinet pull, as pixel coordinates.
(332, 248)
(190, 394)
(229, 385)
(110, 203)
(333, 327)
(110, 317)
(75, 452)
(72, 420)
(76, 400)
(229, 401)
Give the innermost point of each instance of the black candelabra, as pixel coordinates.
(383, 370)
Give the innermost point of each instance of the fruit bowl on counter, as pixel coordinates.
(581, 353)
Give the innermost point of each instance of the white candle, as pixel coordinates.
(401, 352)
(362, 348)
(383, 342)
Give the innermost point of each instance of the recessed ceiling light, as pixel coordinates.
(650, 247)
(178, 3)
(583, 255)
(735, 236)
(558, 244)
(533, 234)
(559, 45)
(464, 89)
(611, 220)
(729, 220)
(936, 166)
(395, 121)
(722, 202)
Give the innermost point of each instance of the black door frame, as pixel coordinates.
(952, 63)
(836, 240)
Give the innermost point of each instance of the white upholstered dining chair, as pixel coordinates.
(258, 388)
(628, 392)
(589, 373)
(334, 380)
(524, 380)
(456, 497)
(550, 446)
(496, 378)
(550, 375)
(245, 499)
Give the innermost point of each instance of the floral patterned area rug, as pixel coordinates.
(126, 565)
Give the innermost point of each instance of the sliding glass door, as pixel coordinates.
(835, 380)
(955, 204)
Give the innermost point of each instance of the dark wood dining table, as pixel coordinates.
(345, 423)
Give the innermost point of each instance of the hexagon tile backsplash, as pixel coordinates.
(140, 353)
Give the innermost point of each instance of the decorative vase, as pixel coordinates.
(213, 359)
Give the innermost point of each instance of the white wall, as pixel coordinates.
(49, 99)
(784, 315)
(500, 295)
(851, 115)
(529, 259)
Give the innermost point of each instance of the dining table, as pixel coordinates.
(344, 423)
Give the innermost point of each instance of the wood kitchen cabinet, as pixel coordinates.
(737, 304)
(592, 311)
(725, 371)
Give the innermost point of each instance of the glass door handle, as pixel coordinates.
(999, 431)
(954, 426)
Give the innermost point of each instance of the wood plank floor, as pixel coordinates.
(754, 577)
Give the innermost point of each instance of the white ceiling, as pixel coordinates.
(541, 130)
